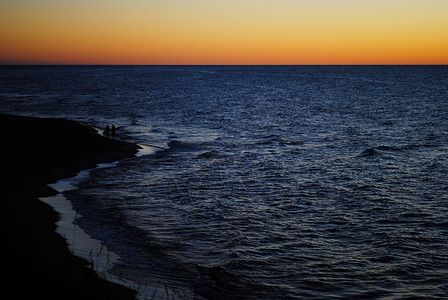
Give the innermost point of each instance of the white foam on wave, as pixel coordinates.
(146, 150)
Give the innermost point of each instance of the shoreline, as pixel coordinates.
(39, 152)
(81, 244)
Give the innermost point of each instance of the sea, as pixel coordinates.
(266, 182)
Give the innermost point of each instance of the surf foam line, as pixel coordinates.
(88, 248)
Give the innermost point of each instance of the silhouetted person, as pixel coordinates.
(113, 131)
(106, 131)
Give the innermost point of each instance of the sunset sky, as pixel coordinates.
(224, 32)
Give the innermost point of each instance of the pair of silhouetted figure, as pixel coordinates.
(109, 130)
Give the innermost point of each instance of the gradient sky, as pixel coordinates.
(224, 31)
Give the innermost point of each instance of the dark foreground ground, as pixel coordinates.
(36, 262)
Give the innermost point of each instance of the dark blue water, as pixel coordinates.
(270, 182)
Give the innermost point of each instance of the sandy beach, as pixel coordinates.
(36, 152)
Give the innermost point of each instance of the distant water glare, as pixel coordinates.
(268, 182)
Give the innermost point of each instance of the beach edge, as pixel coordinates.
(38, 152)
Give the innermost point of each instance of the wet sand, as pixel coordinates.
(36, 152)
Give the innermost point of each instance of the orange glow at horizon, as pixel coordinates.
(224, 32)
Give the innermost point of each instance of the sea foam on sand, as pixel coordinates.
(81, 244)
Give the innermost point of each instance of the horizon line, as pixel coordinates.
(147, 65)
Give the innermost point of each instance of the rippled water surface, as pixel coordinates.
(269, 182)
